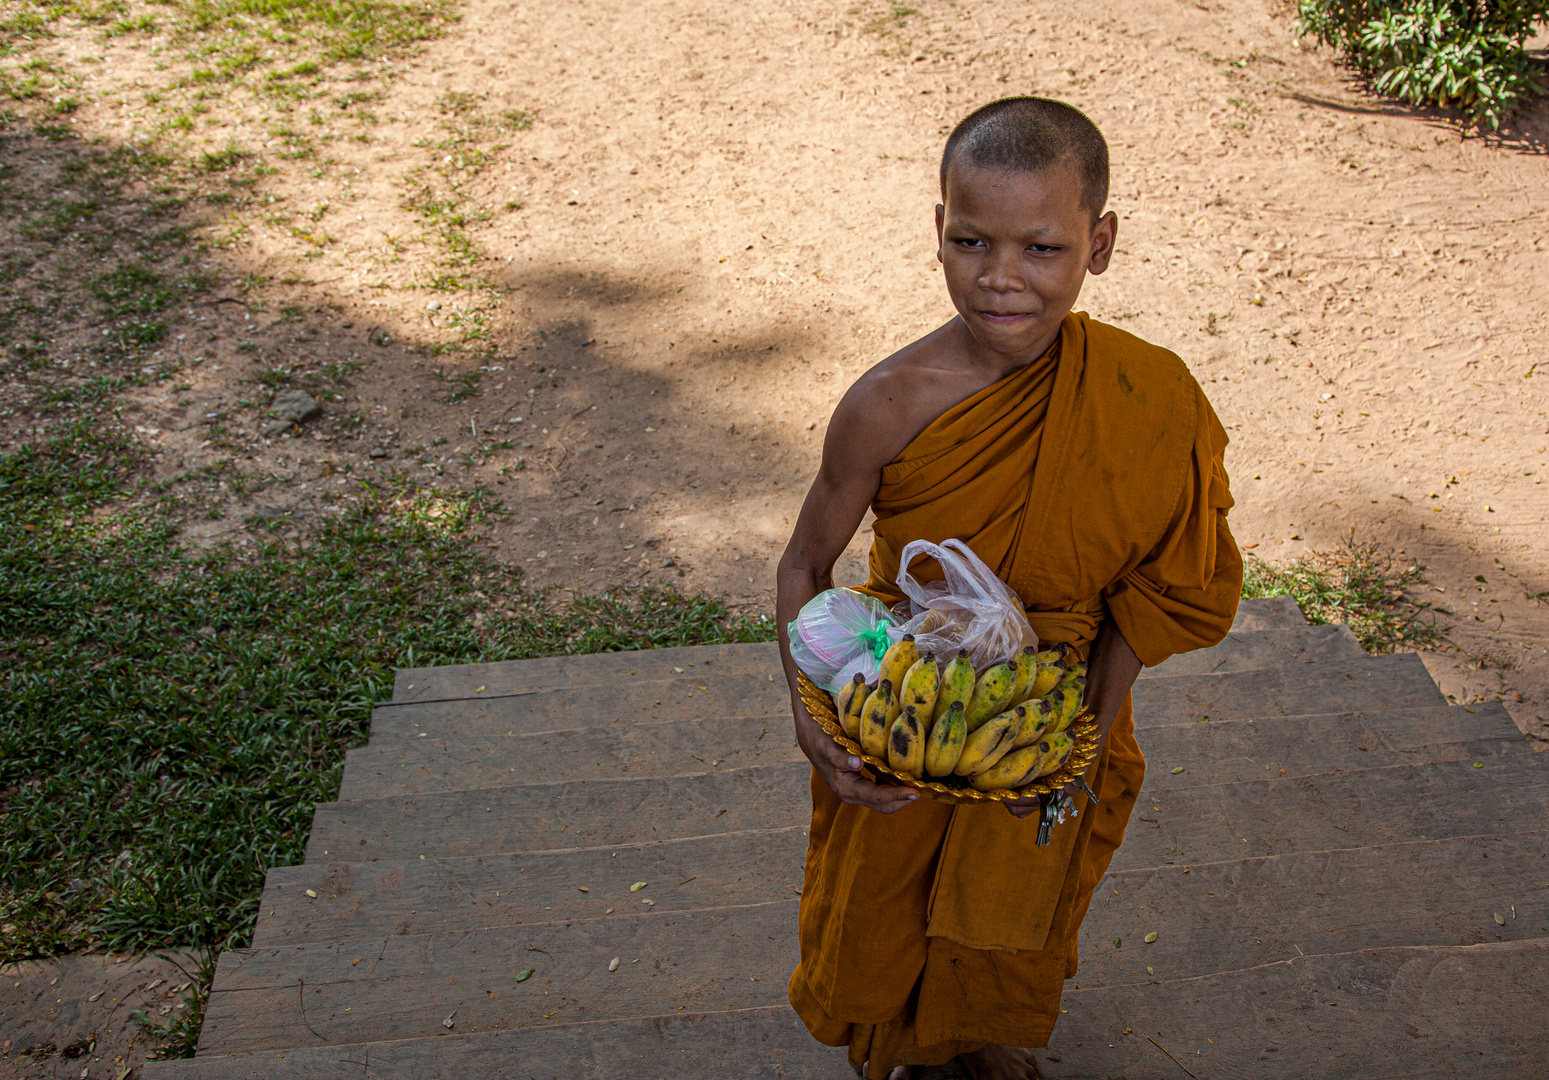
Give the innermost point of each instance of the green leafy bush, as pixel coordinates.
(1466, 54)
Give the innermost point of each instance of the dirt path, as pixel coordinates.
(725, 216)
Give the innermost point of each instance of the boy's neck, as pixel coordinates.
(992, 362)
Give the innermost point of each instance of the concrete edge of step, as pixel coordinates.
(519, 931)
(395, 1058)
(547, 673)
(285, 874)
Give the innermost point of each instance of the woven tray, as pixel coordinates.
(956, 789)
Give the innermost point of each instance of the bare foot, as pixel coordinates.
(903, 1072)
(996, 1062)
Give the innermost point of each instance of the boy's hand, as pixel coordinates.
(841, 770)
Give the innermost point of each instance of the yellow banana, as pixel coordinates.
(1049, 674)
(992, 693)
(897, 661)
(852, 698)
(988, 744)
(1067, 703)
(921, 687)
(1037, 719)
(1072, 673)
(1010, 771)
(957, 683)
(1026, 663)
(906, 743)
(1056, 748)
(874, 720)
(945, 743)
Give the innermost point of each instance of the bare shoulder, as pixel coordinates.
(896, 399)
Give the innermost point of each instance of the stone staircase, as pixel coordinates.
(1346, 875)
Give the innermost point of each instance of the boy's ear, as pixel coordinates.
(941, 217)
(1104, 235)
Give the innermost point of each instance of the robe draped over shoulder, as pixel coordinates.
(1092, 481)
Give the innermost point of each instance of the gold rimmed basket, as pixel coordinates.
(955, 789)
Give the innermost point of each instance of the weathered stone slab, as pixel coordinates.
(435, 763)
(362, 900)
(410, 986)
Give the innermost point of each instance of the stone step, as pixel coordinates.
(1372, 684)
(1250, 649)
(410, 986)
(1249, 912)
(1268, 816)
(573, 672)
(1268, 613)
(375, 899)
(745, 1044)
(1226, 751)
(634, 700)
(458, 681)
(547, 817)
(1357, 808)
(622, 749)
(1217, 752)
(1380, 1014)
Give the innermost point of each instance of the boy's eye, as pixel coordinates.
(1042, 249)
(967, 241)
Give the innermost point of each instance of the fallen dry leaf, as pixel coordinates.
(583, 888)
(613, 965)
(1500, 920)
(312, 893)
(97, 996)
(637, 886)
(609, 911)
(1150, 937)
(447, 1023)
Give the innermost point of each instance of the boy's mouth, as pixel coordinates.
(1004, 317)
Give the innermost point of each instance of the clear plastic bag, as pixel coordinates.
(839, 632)
(972, 609)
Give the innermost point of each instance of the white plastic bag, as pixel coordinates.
(839, 632)
(972, 609)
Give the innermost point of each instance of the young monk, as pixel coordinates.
(1085, 466)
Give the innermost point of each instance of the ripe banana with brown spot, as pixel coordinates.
(988, 744)
(992, 693)
(906, 744)
(852, 699)
(1072, 674)
(957, 684)
(875, 720)
(1037, 720)
(1026, 663)
(1056, 748)
(922, 685)
(897, 661)
(1010, 771)
(945, 744)
(1050, 670)
(1067, 703)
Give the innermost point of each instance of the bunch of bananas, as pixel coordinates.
(1000, 728)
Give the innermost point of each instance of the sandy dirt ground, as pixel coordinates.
(70, 1016)
(718, 218)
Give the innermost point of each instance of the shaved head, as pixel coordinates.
(1034, 135)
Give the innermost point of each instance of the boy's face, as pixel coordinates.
(1016, 248)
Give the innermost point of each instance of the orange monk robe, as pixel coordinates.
(1092, 481)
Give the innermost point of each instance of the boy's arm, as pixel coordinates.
(861, 440)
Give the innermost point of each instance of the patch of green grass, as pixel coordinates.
(169, 719)
(1358, 584)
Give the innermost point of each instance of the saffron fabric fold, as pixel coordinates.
(1092, 481)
